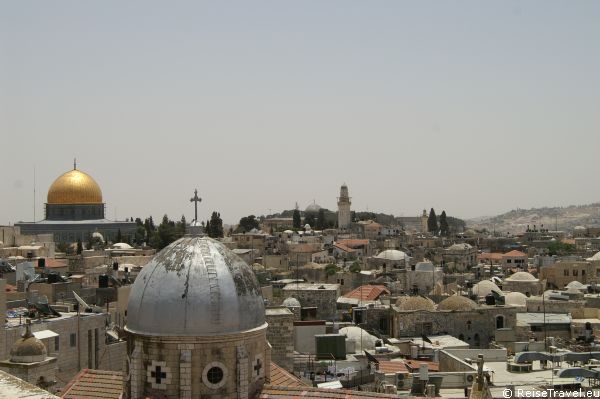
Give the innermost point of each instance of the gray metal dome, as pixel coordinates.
(195, 287)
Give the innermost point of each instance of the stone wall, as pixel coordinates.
(323, 299)
(476, 327)
(280, 335)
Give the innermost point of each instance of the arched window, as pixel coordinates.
(468, 324)
(476, 340)
(499, 321)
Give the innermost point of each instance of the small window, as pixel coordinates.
(56, 343)
(565, 272)
(575, 272)
(73, 340)
(583, 272)
(214, 375)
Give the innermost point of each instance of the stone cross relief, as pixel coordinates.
(258, 367)
(158, 374)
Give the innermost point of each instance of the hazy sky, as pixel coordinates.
(472, 107)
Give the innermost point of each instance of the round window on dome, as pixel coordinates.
(214, 375)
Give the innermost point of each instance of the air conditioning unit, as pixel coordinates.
(400, 380)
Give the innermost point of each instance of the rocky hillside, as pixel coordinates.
(563, 218)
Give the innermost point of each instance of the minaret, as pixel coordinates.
(344, 208)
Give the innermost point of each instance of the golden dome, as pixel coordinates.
(74, 187)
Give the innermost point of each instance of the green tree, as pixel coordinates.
(181, 225)
(320, 225)
(444, 228)
(309, 219)
(216, 226)
(79, 246)
(297, 220)
(432, 223)
(331, 269)
(248, 223)
(560, 248)
(355, 267)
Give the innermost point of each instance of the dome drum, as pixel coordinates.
(74, 211)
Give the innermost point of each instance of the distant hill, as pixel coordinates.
(563, 218)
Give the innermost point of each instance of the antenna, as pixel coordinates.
(33, 193)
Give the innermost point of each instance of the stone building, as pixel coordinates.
(455, 315)
(29, 361)
(75, 210)
(561, 273)
(460, 257)
(321, 296)
(76, 341)
(196, 325)
(523, 282)
(344, 215)
(514, 259)
(423, 278)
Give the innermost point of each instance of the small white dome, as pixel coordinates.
(121, 245)
(515, 299)
(393, 254)
(459, 247)
(521, 276)
(313, 208)
(424, 267)
(291, 302)
(485, 287)
(363, 339)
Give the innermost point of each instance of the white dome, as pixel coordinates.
(313, 208)
(195, 286)
(291, 302)
(515, 299)
(393, 254)
(363, 339)
(121, 245)
(485, 287)
(521, 276)
(459, 247)
(576, 285)
(595, 257)
(424, 267)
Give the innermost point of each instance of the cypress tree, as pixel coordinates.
(297, 220)
(432, 224)
(444, 228)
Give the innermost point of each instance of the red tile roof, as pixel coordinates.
(281, 377)
(343, 247)
(414, 365)
(388, 367)
(51, 263)
(270, 391)
(490, 256)
(368, 292)
(94, 384)
(354, 243)
(514, 254)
